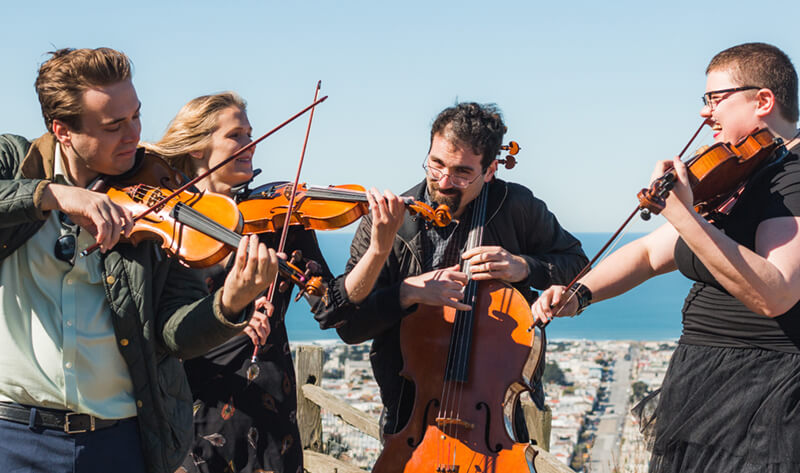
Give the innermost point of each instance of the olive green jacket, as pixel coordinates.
(160, 309)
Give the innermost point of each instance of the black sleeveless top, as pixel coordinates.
(713, 317)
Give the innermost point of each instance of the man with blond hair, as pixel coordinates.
(90, 376)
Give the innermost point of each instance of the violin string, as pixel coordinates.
(200, 222)
(337, 194)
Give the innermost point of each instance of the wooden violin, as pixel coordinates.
(319, 208)
(717, 177)
(198, 228)
(716, 174)
(149, 182)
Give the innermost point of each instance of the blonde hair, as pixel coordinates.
(68, 73)
(190, 131)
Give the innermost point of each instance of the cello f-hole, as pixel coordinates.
(498, 447)
(411, 442)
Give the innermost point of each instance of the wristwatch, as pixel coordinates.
(583, 294)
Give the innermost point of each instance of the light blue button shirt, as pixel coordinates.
(58, 347)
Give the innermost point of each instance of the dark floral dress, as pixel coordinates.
(245, 414)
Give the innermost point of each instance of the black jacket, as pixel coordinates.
(516, 221)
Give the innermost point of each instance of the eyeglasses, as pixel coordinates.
(713, 98)
(67, 243)
(456, 180)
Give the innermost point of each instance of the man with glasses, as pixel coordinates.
(90, 376)
(523, 244)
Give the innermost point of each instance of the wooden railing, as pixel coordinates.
(311, 398)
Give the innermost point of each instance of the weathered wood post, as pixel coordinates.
(308, 366)
(538, 423)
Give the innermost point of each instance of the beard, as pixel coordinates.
(449, 197)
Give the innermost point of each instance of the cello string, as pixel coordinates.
(466, 337)
(469, 317)
(463, 331)
(448, 384)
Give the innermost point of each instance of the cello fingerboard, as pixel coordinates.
(461, 338)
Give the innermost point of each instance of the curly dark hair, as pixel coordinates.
(471, 124)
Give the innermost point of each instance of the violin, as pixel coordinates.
(198, 228)
(717, 175)
(265, 208)
(185, 225)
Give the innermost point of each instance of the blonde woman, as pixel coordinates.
(245, 413)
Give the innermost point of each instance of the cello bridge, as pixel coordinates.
(447, 469)
(445, 421)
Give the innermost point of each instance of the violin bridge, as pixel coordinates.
(445, 421)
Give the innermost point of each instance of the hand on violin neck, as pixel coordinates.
(680, 198)
(254, 269)
(441, 287)
(554, 302)
(494, 262)
(388, 213)
(93, 211)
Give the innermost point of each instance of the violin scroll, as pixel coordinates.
(440, 216)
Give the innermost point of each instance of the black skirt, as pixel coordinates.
(725, 409)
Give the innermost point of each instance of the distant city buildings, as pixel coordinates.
(580, 402)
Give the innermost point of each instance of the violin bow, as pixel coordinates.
(214, 168)
(588, 266)
(285, 230)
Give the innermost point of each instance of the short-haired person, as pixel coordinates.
(523, 244)
(245, 413)
(90, 376)
(730, 397)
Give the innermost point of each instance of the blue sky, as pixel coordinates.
(595, 92)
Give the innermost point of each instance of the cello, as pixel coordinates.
(465, 395)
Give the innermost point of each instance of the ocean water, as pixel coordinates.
(651, 311)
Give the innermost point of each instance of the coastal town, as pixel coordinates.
(590, 388)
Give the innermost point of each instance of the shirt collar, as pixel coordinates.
(58, 172)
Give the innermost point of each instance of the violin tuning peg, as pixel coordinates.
(283, 286)
(313, 267)
(296, 258)
(300, 294)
